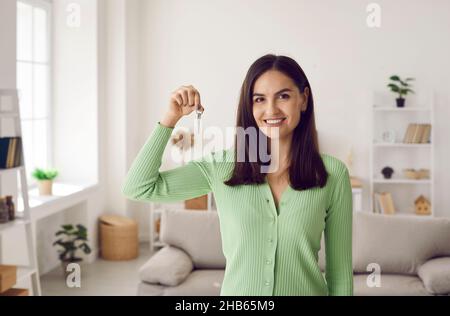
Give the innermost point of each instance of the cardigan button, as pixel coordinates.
(267, 200)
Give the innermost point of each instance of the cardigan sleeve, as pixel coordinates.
(144, 181)
(338, 237)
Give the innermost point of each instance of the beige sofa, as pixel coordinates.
(412, 253)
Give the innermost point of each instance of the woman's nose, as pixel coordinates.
(272, 107)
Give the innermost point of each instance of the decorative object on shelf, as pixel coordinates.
(384, 204)
(423, 206)
(10, 152)
(71, 238)
(387, 172)
(388, 136)
(119, 238)
(417, 134)
(416, 174)
(45, 179)
(402, 87)
(11, 207)
(4, 211)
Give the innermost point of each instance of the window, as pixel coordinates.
(34, 82)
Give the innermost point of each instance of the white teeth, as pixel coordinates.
(274, 121)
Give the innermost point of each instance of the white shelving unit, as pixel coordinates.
(399, 155)
(155, 215)
(22, 221)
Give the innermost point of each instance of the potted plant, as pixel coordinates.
(71, 239)
(402, 87)
(45, 180)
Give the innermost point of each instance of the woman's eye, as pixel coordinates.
(285, 95)
(256, 100)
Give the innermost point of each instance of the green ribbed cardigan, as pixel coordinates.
(268, 251)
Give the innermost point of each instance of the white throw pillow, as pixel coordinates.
(169, 266)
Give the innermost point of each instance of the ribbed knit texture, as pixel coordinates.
(268, 251)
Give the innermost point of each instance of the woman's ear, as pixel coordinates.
(306, 95)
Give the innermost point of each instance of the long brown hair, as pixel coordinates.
(307, 169)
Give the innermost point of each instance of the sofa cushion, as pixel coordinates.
(205, 282)
(169, 266)
(390, 285)
(400, 243)
(197, 233)
(435, 274)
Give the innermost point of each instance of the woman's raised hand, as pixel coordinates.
(183, 101)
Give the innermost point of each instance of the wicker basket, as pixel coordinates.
(118, 238)
(411, 174)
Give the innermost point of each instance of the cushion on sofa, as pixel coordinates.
(203, 282)
(197, 233)
(435, 274)
(400, 243)
(169, 266)
(390, 285)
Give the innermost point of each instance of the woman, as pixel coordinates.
(271, 222)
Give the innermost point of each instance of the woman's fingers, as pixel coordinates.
(197, 99)
(185, 97)
(191, 96)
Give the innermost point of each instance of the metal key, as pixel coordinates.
(199, 117)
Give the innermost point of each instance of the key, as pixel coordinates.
(199, 117)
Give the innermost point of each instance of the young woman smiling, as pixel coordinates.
(271, 222)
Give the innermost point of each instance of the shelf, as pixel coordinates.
(13, 224)
(402, 145)
(9, 170)
(395, 109)
(402, 181)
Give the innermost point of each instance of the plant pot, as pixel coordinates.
(45, 187)
(400, 102)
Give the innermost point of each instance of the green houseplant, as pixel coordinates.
(402, 87)
(45, 179)
(71, 239)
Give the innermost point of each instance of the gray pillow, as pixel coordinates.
(169, 266)
(435, 274)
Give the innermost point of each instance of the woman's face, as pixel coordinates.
(275, 97)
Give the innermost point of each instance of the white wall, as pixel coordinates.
(7, 44)
(75, 97)
(212, 45)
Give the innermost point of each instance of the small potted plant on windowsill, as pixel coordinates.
(71, 239)
(45, 180)
(402, 87)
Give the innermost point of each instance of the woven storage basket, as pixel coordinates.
(118, 238)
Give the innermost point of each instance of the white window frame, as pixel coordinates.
(47, 6)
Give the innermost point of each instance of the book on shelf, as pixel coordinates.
(417, 133)
(10, 152)
(384, 203)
